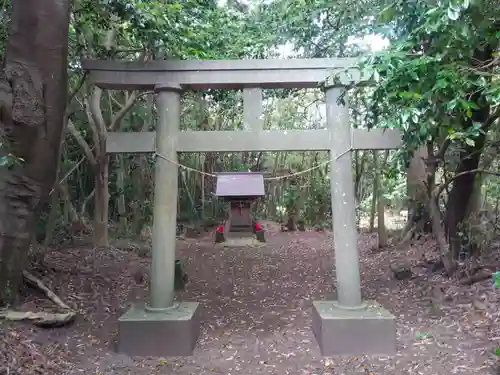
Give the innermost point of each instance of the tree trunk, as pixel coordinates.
(461, 193)
(475, 231)
(359, 169)
(120, 200)
(375, 193)
(74, 219)
(463, 186)
(52, 220)
(33, 91)
(382, 230)
(141, 175)
(54, 200)
(439, 233)
(419, 215)
(140, 183)
(101, 200)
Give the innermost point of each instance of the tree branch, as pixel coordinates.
(492, 118)
(95, 109)
(442, 150)
(439, 189)
(82, 142)
(118, 117)
(77, 88)
(126, 107)
(92, 125)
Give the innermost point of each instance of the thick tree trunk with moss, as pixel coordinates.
(463, 187)
(33, 90)
(461, 194)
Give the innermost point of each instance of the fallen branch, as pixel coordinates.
(50, 294)
(479, 276)
(41, 319)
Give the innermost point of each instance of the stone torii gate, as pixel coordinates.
(163, 327)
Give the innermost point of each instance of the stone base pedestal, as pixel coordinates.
(371, 330)
(168, 333)
(243, 242)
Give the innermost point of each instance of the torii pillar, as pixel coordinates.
(348, 324)
(163, 326)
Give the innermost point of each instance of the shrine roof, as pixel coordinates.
(240, 184)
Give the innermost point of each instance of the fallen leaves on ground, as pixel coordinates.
(256, 312)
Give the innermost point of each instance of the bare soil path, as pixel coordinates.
(256, 312)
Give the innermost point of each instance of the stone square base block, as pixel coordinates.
(169, 333)
(242, 242)
(370, 331)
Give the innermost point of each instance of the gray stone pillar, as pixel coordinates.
(343, 205)
(163, 328)
(168, 100)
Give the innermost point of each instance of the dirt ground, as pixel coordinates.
(256, 312)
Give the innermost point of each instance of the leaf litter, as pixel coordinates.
(256, 316)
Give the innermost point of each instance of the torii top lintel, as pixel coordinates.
(252, 76)
(229, 74)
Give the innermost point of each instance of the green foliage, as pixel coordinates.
(496, 279)
(188, 29)
(321, 28)
(432, 79)
(8, 160)
(290, 197)
(436, 75)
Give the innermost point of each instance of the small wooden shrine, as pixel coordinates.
(240, 189)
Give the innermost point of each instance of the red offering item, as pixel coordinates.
(257, 227)
(220, 229)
